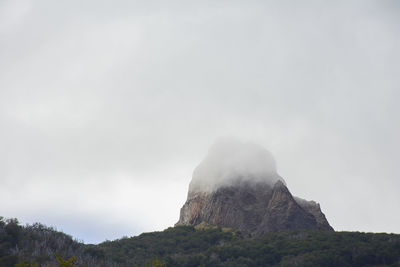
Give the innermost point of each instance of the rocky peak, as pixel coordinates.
(252, 208)
(237, 186)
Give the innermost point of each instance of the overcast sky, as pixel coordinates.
(106, 107)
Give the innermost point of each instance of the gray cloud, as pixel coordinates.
(231, 161)
(111, 105)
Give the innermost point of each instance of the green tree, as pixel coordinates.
(65, 263)
(21, 264)
(156, 263)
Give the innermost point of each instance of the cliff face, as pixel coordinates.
(237, 186)
(253, 208)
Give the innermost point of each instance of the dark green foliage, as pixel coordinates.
(183, 243)
(65, 263)
(22, 264)
(186, 246)
(61, 263)
(10, 233)
(35, 246)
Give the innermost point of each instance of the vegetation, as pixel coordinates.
(186, 246)
(36, 245)
(61, 263)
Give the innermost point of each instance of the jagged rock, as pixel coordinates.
(314, 208)
(253, 208)
(237, 186)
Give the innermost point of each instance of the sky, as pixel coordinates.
(107, 107)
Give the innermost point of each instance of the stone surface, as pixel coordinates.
(253, 208)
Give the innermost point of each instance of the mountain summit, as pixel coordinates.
(237, 186)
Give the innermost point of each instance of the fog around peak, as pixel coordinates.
(229, 161)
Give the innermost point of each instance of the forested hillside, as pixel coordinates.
(206, 246)
(38, 244)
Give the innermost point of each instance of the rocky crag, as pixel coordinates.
(252, 208)
(252, 202)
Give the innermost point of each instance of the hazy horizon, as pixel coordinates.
(106, 108)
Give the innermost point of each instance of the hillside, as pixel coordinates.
(38, 244)
(201, 246)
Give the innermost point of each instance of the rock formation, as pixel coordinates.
(241, 200)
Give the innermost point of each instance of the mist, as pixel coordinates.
(230, 161)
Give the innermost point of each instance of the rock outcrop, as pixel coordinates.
(237, 186)
(253, 208)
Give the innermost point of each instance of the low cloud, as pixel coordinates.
(230, 161)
